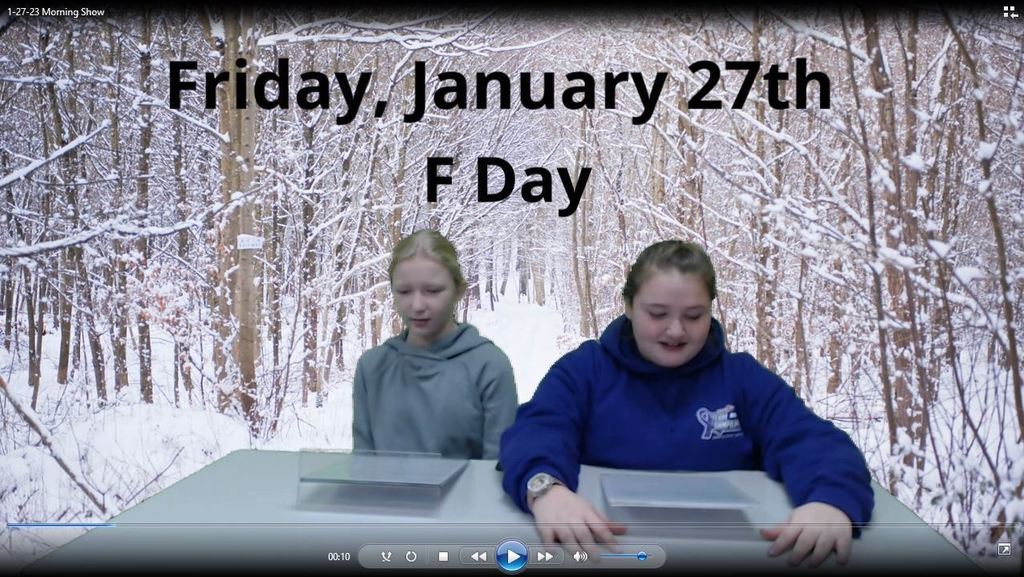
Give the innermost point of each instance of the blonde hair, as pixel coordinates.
(431, 244)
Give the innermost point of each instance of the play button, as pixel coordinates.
(511, 556)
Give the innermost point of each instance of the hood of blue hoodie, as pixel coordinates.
(619, 342)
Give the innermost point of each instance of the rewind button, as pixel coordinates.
(474, 555)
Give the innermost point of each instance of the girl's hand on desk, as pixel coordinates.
(815, 529)
(564, 517)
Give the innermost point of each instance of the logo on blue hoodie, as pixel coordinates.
(720, 423)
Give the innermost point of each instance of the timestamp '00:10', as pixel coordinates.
(335, 556)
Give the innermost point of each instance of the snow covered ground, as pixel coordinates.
(132, 450)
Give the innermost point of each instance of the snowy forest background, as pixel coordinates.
(872, 254)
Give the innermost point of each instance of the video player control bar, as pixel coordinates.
(511, 557)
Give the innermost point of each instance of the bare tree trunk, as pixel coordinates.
(395, 222)
(523, 269)
(220, 296)
(488, 276)
(693, 182)
(346, 249)
(876, 279)
(538, 270)
(659, 160)
(577, 277)
(119, 336)
(376, 316)
(765, 251)
(35, 335)
(343, 263)
(142, 205)
(275, 274)
(765, 298)
(75, 173)
(35, 286)
(473, 297)
(76, 343)
(502, 271)
(908, 206)
(7, 284)
(906, 410)
(835, 340)
(580, 263)
(235, 301)
(588, 283)
(310, 300)
(118, 275)
(272, 285)
(272, 274)
(837, 344)
(8, 296)
(93, 336)
(66, 279)
(802, 374)
(182, 330)
(945, 205)
(241, 44)
(64, 315)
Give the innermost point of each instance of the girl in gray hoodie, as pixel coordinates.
(438, 387)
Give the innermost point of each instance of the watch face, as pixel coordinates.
(539, 481)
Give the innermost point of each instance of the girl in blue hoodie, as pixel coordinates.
(659, 390)
(439, 387)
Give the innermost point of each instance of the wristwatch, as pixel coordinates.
(538, 485)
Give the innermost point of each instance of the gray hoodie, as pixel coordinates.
(455, 398)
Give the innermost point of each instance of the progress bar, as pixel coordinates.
(57, 525)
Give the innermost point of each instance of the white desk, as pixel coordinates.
(245, 512)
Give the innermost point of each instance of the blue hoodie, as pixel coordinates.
(604, 404)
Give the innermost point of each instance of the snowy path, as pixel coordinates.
(529, 335)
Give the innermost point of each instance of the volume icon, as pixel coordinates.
(580, 556)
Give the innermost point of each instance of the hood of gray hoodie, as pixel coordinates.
(462, 340)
